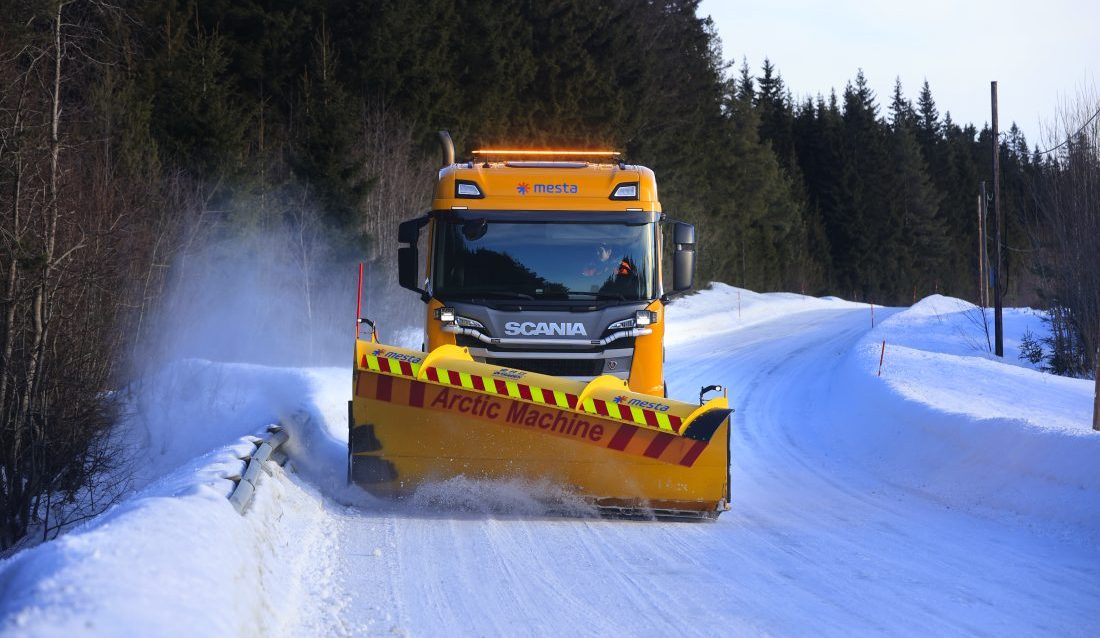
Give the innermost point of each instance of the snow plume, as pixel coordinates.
(509, 498)
(281, 297)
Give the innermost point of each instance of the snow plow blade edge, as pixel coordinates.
(419, 418)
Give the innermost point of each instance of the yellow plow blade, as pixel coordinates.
(418, 418)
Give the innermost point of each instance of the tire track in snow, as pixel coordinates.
(366, 556)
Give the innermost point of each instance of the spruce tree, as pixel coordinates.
(198, 117)
(928, 129)
(923, 246)
(816, 133)
(776, 117)
(901, 109)
(324, 155)
(861, 233)
(762, 250)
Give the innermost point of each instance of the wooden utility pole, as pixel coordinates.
(983, 262)
(982, 298)
(998, 223)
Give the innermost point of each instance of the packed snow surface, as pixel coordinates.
(943, 492)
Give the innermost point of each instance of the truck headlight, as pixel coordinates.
(625, 324)
(640, 318)
(467, 322)
(446, 315)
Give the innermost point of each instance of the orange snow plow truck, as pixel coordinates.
(543, 358)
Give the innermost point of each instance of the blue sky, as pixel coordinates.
(1048, 50)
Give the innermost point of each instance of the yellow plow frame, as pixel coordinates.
(418, 418)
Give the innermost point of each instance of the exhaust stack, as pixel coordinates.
(448, 147)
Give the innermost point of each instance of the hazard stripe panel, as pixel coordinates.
(409, 366)
(497, 407)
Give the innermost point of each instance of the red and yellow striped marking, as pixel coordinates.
(387, 365)
(516, 411)
(403, 364)
(502, 387)
(623, 412)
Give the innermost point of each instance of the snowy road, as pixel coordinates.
(956, 494)
(818, 541)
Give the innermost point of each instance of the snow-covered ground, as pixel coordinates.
(955, 494)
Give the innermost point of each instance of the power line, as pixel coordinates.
(1070, 137)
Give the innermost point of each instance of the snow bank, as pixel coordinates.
(953, 326)
(722, 308)
(175, 558)
(946, 418)
(951, 420)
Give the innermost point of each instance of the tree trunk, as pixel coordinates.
(26, 415)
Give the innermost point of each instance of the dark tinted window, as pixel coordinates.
(539, 260)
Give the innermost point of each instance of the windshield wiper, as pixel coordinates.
(600, 295)
(500, 294)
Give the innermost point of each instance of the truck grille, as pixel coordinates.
(469, 342)
(556, 367)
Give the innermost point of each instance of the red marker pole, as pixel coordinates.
(1096, 394)
(359, 301)
(881, 356)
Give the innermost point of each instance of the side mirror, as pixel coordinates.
(408, 232)
(408, 266)
(683, 234)
(408, 260)
(683, 257)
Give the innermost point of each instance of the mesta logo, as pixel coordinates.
(377, 353)
(522, 188)
(619, 399)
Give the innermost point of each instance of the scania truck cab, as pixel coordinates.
(548, 262)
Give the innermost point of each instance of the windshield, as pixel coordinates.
(543, 260)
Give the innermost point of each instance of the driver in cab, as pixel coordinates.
(603, 266)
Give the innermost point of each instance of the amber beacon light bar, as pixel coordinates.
(543, 153)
